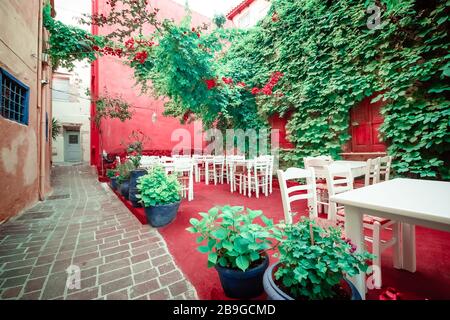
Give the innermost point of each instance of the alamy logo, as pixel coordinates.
(374, 20)
(73, 277)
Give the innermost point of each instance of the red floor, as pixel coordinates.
(431, 281)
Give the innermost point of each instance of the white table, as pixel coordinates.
(358, 168)
(409, 201)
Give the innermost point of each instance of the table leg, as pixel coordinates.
(354, 231)
(206, 172)
(409, 247)
(249, 182)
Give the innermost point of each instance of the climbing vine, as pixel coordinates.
(67, 44)
(313, 59)
(332, 60)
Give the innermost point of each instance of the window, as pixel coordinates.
(14, 98)
(61, 88)
(73, 139)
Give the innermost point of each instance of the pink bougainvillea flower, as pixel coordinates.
(255, 90)
(129, 44)
(227, 80)
(210, 83)
(267, 90)
(141, 56)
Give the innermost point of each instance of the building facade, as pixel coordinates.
(112, 75)
(25, 107)
(248, 13)
(71, 102)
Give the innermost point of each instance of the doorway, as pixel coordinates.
(72, 146)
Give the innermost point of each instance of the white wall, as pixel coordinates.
(77, 109)
(252, 14)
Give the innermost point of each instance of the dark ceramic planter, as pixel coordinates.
(135, 175)
(243, 285)
(160, 216)
(125, 188)
(275, 293)
(113, 183)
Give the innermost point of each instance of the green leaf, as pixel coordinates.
(220, 234)
(212, 257)
(242, 263)
(203, 249)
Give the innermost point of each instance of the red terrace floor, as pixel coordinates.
(431, 281)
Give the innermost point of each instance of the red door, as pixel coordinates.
(365, 121)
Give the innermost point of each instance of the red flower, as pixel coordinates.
(117, 174)
(241, 84)
(193, 29)
(267, 90)
(211, 83)
(129, 44)
(227, 80)
(96, 48)
(198, 35)
(255, 90)
(141, 56)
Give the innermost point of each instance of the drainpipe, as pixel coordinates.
(40, 106)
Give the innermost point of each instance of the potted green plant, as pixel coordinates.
(160, 196)
(314, 263)
(236, 246)
(123, 178)
(112, 175)
(134, 150)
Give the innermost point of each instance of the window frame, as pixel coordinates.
(26, 102)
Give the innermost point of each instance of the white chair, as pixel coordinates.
(340, 180)
(318, 164)
(216, 168)
(271, 160)
(300, 192)
(184, 169)
(181, 156)
(148, 162)
(198, 160)
(385, 168)
(372, 171)
(259, 177)
(230, 161)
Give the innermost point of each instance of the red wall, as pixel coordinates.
(118, 78)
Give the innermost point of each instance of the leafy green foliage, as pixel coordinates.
(314, 260)
(112, 107)
(56, 128)
(111, 173)
(231, 237)
(124, 170)
(68, 44)
(332, 61)
(158, 188)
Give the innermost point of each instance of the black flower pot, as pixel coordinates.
(135, 175)
(125, 188)
(243, 284)
(160, 216)
(275, 293)
(113, 183)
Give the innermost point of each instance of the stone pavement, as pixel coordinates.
(84, 224)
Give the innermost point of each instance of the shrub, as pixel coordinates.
(232, 239)
(158, 188)
(314, 260)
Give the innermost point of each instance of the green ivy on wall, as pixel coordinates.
(331, 56)
(332, 60)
